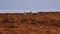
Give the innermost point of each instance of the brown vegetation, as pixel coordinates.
(30, 23)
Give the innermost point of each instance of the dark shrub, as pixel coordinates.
(55, 23)
(24, 20)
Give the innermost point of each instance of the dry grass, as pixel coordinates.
(30, 23)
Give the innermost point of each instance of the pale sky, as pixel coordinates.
(30, 5)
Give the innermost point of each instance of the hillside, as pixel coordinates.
(30, 23)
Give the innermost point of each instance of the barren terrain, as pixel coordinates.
(30, 23)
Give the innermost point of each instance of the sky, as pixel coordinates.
(28, 5)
